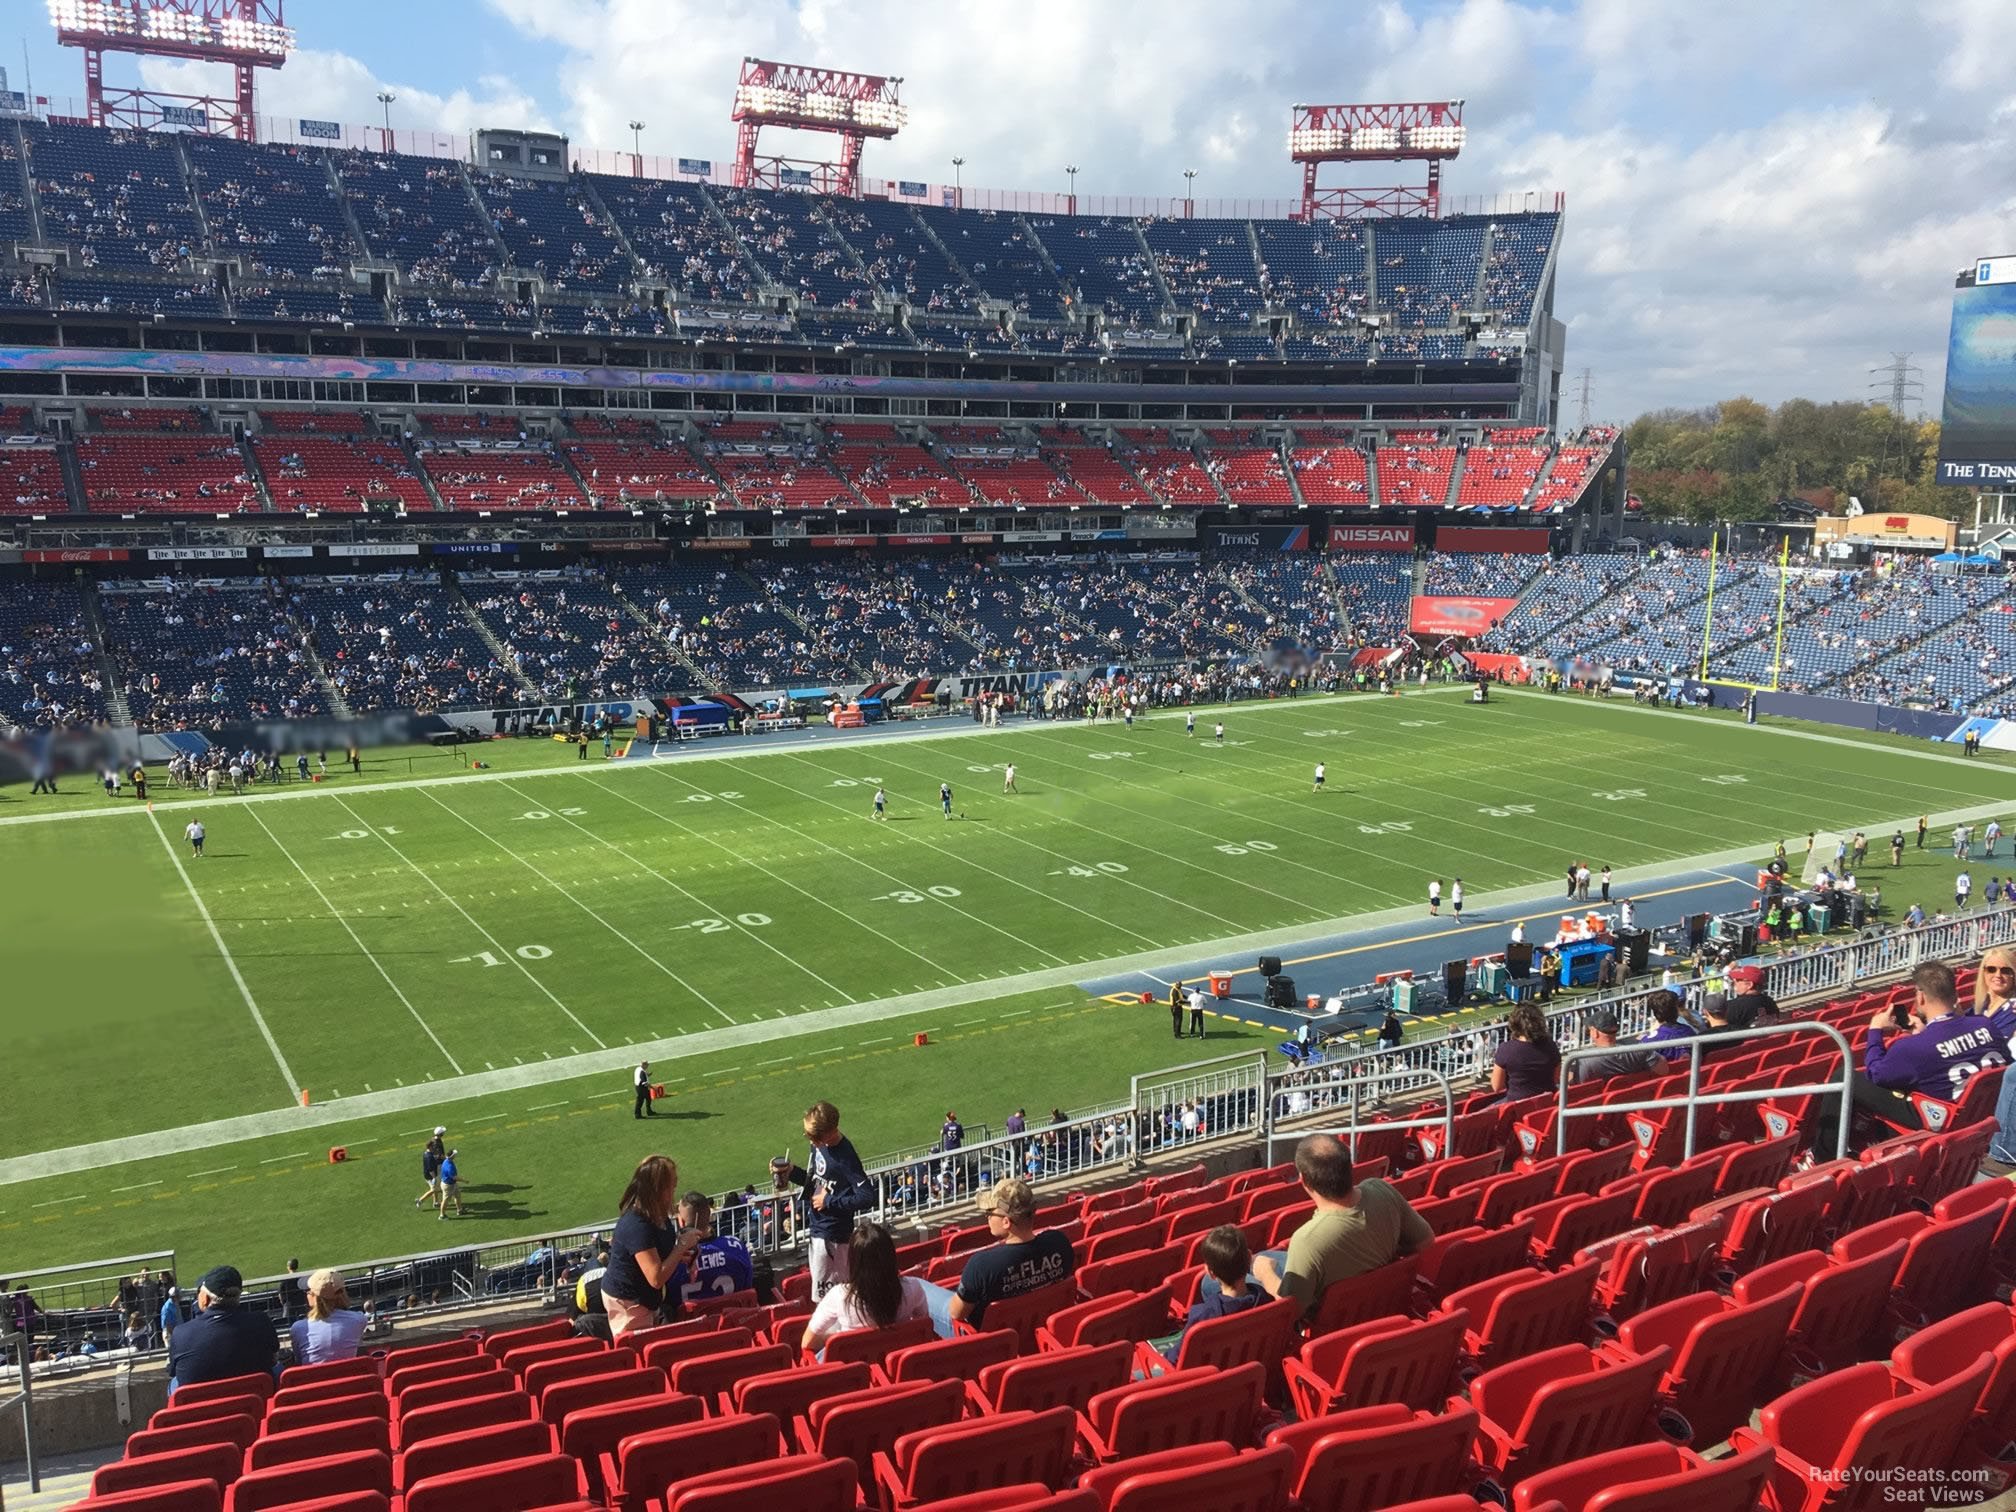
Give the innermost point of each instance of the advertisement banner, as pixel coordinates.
(638, 546)
(1457, 616)
(1977, 434)
(726, 543)
(1017, 537)
(374, 549)
(78, 554)
(472, 548)
(795, 176)
(912, 188)
(185, 115)
(195, 553)
(1371, 537)
(321, 131)
(1527, 542)
(699, 166)
(1258, 537)
(919, 540)
(841, 541)
(275, 553)
(978, 538)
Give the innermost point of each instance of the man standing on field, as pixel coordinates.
(1008, 779)
(641, 1077)
(1319, 779)
(194, 833)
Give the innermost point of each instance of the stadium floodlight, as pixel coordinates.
(1426, 132)
(851, 106)
(245, 35)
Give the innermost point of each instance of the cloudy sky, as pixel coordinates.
(1762, 199)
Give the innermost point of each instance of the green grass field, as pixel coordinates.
(485, 949)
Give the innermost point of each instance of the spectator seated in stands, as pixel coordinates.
(1666, 1011)
(1357, 1227)
(719, 1265)
(1228, 1261)
(1021, 1261)
(1528, 1063)
(1932, 1049)
(1623, 1060)
(223, 1339)
(333, 1328)
(876, 1293)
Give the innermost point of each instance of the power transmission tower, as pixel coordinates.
(1583, 391)
(1902, 381)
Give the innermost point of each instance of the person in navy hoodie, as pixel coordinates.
(837, 1190)
(1226, 1256)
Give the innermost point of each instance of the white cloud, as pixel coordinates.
(333, 86)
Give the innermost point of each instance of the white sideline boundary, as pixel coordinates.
(962, 730)
(618, 1060)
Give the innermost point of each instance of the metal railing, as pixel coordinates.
(1691, 1098)
(79, 1313)
(1345, 1091)
(1203, 1100)
(1086, 1142)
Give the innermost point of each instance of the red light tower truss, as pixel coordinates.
(1374, 134)
(850, 106)
(244, 35)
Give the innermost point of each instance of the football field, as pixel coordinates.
(493, 950)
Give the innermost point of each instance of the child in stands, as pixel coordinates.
(1229, 1259)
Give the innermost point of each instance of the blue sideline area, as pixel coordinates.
(1329, 964)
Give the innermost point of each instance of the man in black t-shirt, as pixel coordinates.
(222, 1340)
(1021, 1261)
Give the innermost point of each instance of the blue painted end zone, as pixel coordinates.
(1328, 964)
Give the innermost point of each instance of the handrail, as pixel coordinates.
(1351, 1130)
(1691, 1098)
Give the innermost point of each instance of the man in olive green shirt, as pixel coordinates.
(1357, 1227)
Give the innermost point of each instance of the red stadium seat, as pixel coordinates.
(409, 1355)
(562, 1397)
(259, 1384)
(522, 1357)
(591, 1435)
(1523, 1312)
(1371, 1457)
(1643, 1267)
(1393, 1360)
(1260, 1334)
(325, 1391)
(498, 1345)
(801, 1482)
(710, 1375)
(409, 1378)
(1469, 1255)
(1383, 1293)
(1560, 1405)
(478, 1446)
(871, 1346)
(423, 1423)
(1665, 1198)
(1165, 1412)
(644, 1464)
(862, 1424)
(1023, 1498)
(1724, 1356)
(1022, 1315)
(1502, 1198)
(253, 1407)
(219, 1463)
(1197, 1476)
(538, 1378)
(1950, 1347)
(1140, 1315)
(238, 1431)
(954, 1459)
(516, 1485)
(641, 1339)
(342, 1410)
(789, 1394)
(1833, 1438)
(361, 1367)
(1065, 1377)
(1770, 1227)
(173, 1496)
(960, 1359)
(304, 1480)
(315, 1443)
(1840, 1306)
(1650, 1478)
(1566, 1226)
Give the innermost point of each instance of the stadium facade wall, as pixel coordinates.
(1881, 718)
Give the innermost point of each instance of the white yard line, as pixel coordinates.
(568, 894)
(378, 965)
(504, 952)
(245, 992)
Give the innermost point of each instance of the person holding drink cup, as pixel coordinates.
(837, 1190)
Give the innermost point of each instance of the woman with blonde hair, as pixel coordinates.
(1995, 984)
(333, 1328)
(645, 1247)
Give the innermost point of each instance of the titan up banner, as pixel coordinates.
(1371, 537)
(1457, 616)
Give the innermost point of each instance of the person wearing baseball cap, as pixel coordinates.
(1021, 1259)
(333, 1328)
(1621, 1059)
(223, 1339)
(1748, 1004)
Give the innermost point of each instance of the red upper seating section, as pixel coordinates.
(884, 468)
(1250, 474)
(641, 466)
(471, 480)
(1499, 475)
(1098, 474)
(1570, 471)
(317, 422)
(1331, 474)
(1414, 475)
(147, 420)
(16, 420)
(196, 474)
(502, 427)
(782, 482)
(31, 481)
(324, 473)
(605, 425)
(1004, 481)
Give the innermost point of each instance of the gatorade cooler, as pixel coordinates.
(1221, 984)
(1315, 1002)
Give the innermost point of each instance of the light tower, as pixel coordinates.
(242, 34)
(851, 106)
(1430, 133)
